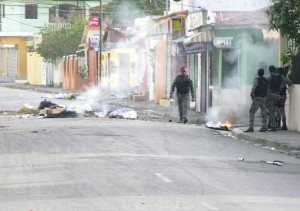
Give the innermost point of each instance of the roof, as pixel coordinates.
(184, 13)
(256, 17)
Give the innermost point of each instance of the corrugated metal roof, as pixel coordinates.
(257, 17)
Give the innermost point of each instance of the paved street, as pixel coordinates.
(90, 163)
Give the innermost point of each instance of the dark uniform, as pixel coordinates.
(275, 84)
(184, 85)
(283, 97)
(258, 94)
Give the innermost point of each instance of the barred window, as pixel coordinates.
(31, 11)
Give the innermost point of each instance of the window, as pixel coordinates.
(31, 11)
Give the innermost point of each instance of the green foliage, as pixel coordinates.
(284, 16)
(124, 12)
(62, 42)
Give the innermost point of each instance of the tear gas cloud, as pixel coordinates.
(234, 103)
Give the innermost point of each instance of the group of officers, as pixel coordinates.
(269, 94)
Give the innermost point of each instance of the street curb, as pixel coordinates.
(266, 142)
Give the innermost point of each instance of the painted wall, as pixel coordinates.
(71, 78)
(160, 77)
(14, 18)
(21, 53)
(34, 67)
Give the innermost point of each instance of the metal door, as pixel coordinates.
(12, 62)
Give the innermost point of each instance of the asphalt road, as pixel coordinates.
(101, 164)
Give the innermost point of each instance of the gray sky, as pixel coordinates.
(221, 5)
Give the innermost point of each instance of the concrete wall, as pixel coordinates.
(160, 88)
(34, 68)
(293, 108)
(71, 78)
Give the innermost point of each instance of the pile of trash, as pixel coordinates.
(48, 109)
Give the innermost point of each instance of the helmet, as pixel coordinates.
(260, 72)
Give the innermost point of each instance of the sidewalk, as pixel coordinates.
(284, 141)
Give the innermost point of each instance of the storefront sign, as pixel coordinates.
(223, 42)
(94, 21)
(191, 48)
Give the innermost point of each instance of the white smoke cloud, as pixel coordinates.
(234, 103)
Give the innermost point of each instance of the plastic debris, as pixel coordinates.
(241, 159)
(126, 113)
(275, 162)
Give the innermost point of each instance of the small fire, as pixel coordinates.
(227, 124)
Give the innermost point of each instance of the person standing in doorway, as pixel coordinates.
(184, 86)
(259, 100)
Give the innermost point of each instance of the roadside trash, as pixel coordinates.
(80, 108)
(241, 159)
(46, 104)
(100, 114)
(60, 113)
(218, 126)
(274, 162)
(68, 96)
(27, 109)
(126, 113)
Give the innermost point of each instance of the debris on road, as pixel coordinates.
(126, 113)
(218, 126)
(67, 96)
(274, 162)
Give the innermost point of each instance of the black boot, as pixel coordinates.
(250, 129)
(278, 124)
(263, 129)
(185, 120)
(284, 127)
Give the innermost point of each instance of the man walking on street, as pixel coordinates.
(259, 95)
(184, 85)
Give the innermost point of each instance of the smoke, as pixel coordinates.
(127, 63)
(231, 101)
(92, 100)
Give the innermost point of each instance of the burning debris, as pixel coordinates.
(219, 126)
(89, 107)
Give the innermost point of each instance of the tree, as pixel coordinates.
(124, 12)
(62, 42)
(284, 16)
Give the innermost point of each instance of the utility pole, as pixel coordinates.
(167, 7)
(100, 46)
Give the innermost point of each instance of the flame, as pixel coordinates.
(227, 124)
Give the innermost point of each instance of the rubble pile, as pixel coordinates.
(85, 106)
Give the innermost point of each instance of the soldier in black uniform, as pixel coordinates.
(275, 84)
(283, 96)
(184, 85)
(259, 95)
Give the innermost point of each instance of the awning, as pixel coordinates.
(206, 36)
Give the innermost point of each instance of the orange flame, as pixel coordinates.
(227, 124)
